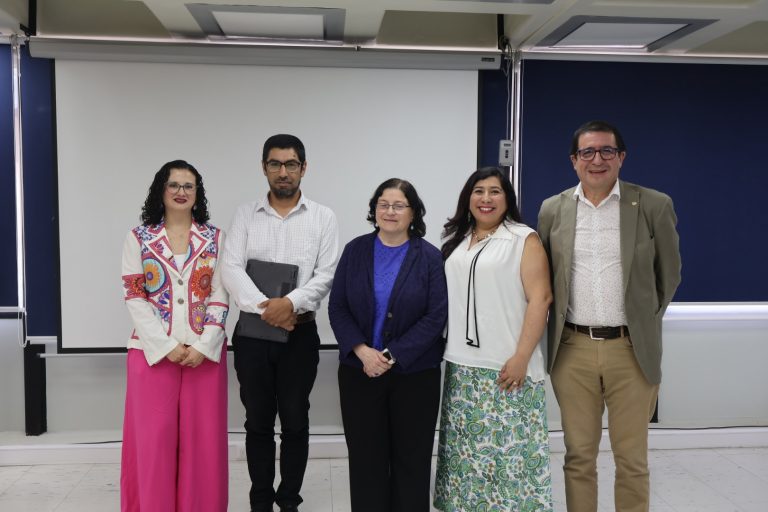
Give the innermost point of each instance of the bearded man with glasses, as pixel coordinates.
(277, 377)
(615, 260)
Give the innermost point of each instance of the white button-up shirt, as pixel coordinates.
(307, 237)
(596, 292)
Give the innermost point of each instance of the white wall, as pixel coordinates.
(11, 377)
(714, 370)
(87, 393)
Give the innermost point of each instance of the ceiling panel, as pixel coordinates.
(736, 27)
(12, 14)
(646, 34)
(676, 3)
(612, 35)
(249, 21)
(98, 18)
(750, 40)
(409, 28)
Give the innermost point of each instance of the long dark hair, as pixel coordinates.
(153, 211)
(462, 222)
(417, 227)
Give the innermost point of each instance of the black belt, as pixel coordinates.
(600, 333)
(305, 317)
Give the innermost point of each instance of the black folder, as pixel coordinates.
(274, 280)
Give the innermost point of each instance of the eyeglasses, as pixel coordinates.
(291, 166)
(175, 187)
(606, 153)
(396, 207)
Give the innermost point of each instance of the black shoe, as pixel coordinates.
(289, 508)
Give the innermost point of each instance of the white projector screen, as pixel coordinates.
(118, 122)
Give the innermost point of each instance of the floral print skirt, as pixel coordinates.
(493, 453)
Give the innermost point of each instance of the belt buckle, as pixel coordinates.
(594, 337)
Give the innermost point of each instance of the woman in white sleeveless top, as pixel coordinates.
(494, 444)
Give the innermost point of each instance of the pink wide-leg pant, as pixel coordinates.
(174, 437)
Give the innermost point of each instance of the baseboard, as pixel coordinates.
(39, 450)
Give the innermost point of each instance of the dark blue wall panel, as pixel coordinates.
(41, 196)
(8, 281)
(695, 131)
(492, 112)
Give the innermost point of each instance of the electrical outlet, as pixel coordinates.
(506, 153)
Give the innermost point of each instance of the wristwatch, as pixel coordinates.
(390, 358)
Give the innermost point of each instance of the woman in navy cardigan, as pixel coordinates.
(388, 307)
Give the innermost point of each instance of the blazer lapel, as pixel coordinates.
(405, 268)
(567, 227)
(198, 241)
(365, 288)
(161, 248)
(629, 206)
(369, 262)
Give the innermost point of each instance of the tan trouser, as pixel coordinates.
(588, 376)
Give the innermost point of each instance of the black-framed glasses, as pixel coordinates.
(606, 153)
(291, 166)
(175, 187)
(396, 207)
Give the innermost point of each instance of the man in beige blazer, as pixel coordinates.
(613, 250)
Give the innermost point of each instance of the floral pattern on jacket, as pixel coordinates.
(171, 305)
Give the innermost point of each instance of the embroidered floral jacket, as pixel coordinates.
(170, 305)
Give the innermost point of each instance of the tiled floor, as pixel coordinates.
(713, 480)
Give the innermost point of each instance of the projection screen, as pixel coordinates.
(118, 122)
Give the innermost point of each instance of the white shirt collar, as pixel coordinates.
(263, 203)
(615, 192)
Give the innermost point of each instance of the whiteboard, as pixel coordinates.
(118, 122)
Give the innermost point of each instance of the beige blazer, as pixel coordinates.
(650, 262)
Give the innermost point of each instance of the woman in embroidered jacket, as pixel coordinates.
(493, 453)
(175, 429)
(387, 308)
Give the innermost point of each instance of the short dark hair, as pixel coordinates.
(462, 222)
(284, 141)
(417, 228)
(153, 210)
(597, 126)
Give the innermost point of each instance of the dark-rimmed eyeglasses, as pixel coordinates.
(291, 166)
(175, 187)
(606, 153)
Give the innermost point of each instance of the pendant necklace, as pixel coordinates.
(480, 239)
